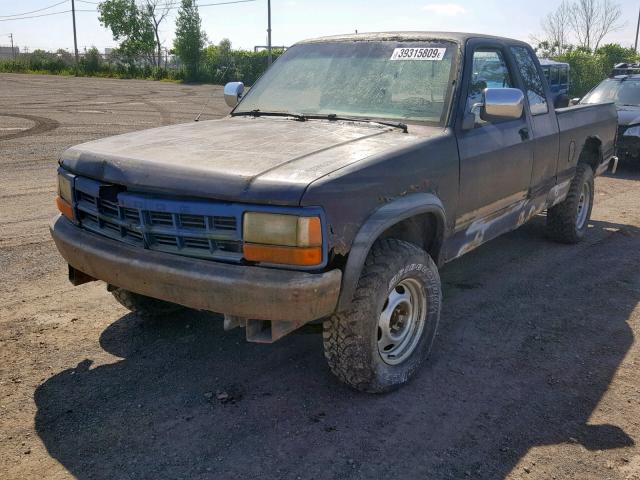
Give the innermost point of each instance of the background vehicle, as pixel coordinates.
(623, 88)
(557, 75)
(354, 169)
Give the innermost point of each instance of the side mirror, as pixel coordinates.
(233, 93)
(574, 101)
(502, 104)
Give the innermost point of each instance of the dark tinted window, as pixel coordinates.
(532, 81)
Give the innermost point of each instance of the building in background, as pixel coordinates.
(8, 52)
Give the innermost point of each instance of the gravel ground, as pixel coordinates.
(535, 372)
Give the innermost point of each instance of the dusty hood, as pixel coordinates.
(269, 160)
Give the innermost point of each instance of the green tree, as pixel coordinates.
(190, 39)
(157, 12)
(613, 53)
(131, 27)
(91, 61)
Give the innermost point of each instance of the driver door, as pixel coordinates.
(496, 157)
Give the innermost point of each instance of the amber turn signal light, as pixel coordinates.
(65, 208)
(302, 256)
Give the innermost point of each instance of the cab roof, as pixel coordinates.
(456, 37)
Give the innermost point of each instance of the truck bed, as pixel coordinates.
(579, 122)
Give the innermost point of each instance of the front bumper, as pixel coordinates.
(241, 291)
(628, 148)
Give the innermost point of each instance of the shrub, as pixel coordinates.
(588, 69)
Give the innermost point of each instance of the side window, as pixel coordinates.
(546, 71)
(555, 77)
(489, 71)
(564, 75)
(532, 81)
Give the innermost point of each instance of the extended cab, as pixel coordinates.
(352, 170)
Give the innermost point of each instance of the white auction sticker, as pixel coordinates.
(418, 54)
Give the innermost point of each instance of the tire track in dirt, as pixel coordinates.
(42, 125)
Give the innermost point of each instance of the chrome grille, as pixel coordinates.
(192, 228)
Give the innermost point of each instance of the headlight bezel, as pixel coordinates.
(65, 187)
(301, 242)
(65, 200)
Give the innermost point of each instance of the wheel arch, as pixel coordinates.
(591, 152)
(416, 218)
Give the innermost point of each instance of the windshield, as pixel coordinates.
(386, 80)
(621, 92)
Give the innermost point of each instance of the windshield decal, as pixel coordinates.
(418, 54)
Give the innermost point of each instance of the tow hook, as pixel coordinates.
(261, 331)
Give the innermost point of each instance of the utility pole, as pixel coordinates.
(269, 32)
(13, 52)
(637, 30)
(75, 37)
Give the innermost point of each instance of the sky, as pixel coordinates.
(245, 24)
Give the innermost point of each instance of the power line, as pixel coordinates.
(34, 11)
(224, 3)
(94, 11)
(43, 15)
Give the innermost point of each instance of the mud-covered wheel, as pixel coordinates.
(143, 306)
(567, 222)
(381, 341)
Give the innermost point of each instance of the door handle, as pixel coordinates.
(524, 133)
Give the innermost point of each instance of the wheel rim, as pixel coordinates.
(402, 321)
(583, 206)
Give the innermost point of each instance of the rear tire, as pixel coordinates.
(568, 221)
(145, 307)
(387, 333)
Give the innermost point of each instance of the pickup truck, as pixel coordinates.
(353, 170)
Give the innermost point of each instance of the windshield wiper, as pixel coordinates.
(333, 116)
(259, 113)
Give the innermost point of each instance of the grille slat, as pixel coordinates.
(165, 240)
(161, 218)
(193, 221)
(224, 223)
(131, 214)
(209, 236)
(199, 243)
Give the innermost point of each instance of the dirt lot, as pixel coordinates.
(535, 374)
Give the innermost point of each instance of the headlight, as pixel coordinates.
(282, 239)
(64, 201)
(65, 190)
(632, 131)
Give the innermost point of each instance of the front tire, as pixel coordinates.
(568, 221)
(143, 306)
(381, 341)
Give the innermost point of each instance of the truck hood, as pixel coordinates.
(628, 115)
(245, 159)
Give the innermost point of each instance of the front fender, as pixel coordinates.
(377, 223)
